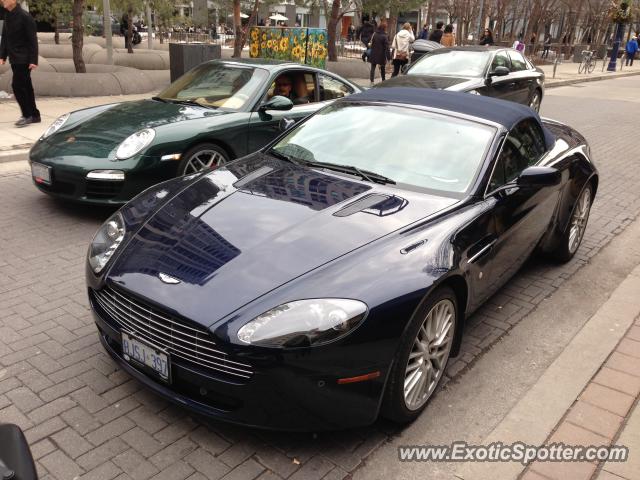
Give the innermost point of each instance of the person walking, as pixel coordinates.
(424, 33)
(124, 29)
(448, 40)
(366, 32)
(487, 38)
(379, 51)
(436, 35)
(401, 45)
(631, 49)
(547, 46)
(20, 45)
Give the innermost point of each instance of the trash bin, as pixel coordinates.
(184, 56)
(420, 47)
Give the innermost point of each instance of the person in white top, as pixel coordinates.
(401, 45)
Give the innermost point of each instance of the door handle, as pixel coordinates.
(286, 123)
(483, 251)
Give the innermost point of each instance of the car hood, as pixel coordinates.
(97, 135)
(225, 242)
(432, 81)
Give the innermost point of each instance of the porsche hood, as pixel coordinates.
(243, 231)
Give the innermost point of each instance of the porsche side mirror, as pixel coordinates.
(16, 460)
(277, 103)
(539, 177)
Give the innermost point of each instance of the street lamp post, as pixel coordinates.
(620, 15)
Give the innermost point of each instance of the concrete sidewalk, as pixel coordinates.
(15, 142)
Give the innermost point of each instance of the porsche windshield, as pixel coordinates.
(452, 63)
(215, 85)
(406, 145)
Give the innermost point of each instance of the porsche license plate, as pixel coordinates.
(41, 173)
(140, 352)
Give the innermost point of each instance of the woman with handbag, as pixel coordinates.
(379, 46)
(401, 46)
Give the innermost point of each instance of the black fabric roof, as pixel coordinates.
(502, 112)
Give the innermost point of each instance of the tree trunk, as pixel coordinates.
(332, 27)
(130, 29)
(237, 41)
(250, 23)
(161, 33)
(56, 34)
(76, 36)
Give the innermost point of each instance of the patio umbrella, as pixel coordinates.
(278, 18)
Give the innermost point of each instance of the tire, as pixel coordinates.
(572, 238)
(440, 310)
(201, 157)
(591, 67)
(536, 99)
(582, 67)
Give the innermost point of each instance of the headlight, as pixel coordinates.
(56, 125)
(473, 92)
(107, 239)
(134, 143)
(304, 323)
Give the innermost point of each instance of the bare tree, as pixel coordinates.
(77, 36)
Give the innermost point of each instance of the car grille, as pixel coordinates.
(188, 343)
(103, 189)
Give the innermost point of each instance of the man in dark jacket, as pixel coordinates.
(366, 32)
(436, 35)
(20, 44)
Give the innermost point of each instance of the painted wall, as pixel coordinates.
(302, 45)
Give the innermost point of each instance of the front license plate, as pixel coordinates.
(41, 173)
(136, 351)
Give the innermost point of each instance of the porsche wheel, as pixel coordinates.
(572, 238)
(202, 157)
(422, 357)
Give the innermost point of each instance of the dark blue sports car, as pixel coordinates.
(326, 278)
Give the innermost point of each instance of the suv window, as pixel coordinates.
(501, 60)
(517, 61)
(332, 88)
(522, 148)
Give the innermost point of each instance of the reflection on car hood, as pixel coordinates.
(432, 81)
(98, 135)
(229, 242)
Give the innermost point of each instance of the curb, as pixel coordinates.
(609, 76)
(15, 154)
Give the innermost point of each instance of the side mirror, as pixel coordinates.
(277, 103)
(499, 72)
(539, 177)
(16, 460)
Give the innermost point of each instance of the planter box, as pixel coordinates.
(185, 56)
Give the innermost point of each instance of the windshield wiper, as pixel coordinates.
(284, 157)
(364, 174)
(159, 99)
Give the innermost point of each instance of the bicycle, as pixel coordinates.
(588, 63)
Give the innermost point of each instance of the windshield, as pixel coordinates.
(454, 63)
(409, 146)
(216, 85)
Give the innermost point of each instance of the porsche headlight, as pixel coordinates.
(304, 323)
(106, 241)
(135, 143)
(56, 125)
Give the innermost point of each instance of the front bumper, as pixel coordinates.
(287, 391)
(69, 179)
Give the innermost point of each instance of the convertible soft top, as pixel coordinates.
(502, 112)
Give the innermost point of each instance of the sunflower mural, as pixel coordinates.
(302, 45)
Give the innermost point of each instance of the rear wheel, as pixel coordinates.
(202, 157)
(535, 101)
(572, 238)
(422, 357)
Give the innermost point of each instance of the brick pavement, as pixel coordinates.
(85, 418)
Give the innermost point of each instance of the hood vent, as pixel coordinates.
(374, 204)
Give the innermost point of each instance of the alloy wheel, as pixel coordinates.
(429, 354)
(203, 159)
(535, 102)
(579, 220)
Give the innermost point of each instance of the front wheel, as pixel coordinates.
(422, 357)
(582, 67)
(592, 66)
(572, 237)
(202, 157)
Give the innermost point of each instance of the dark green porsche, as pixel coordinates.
(219, 111)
